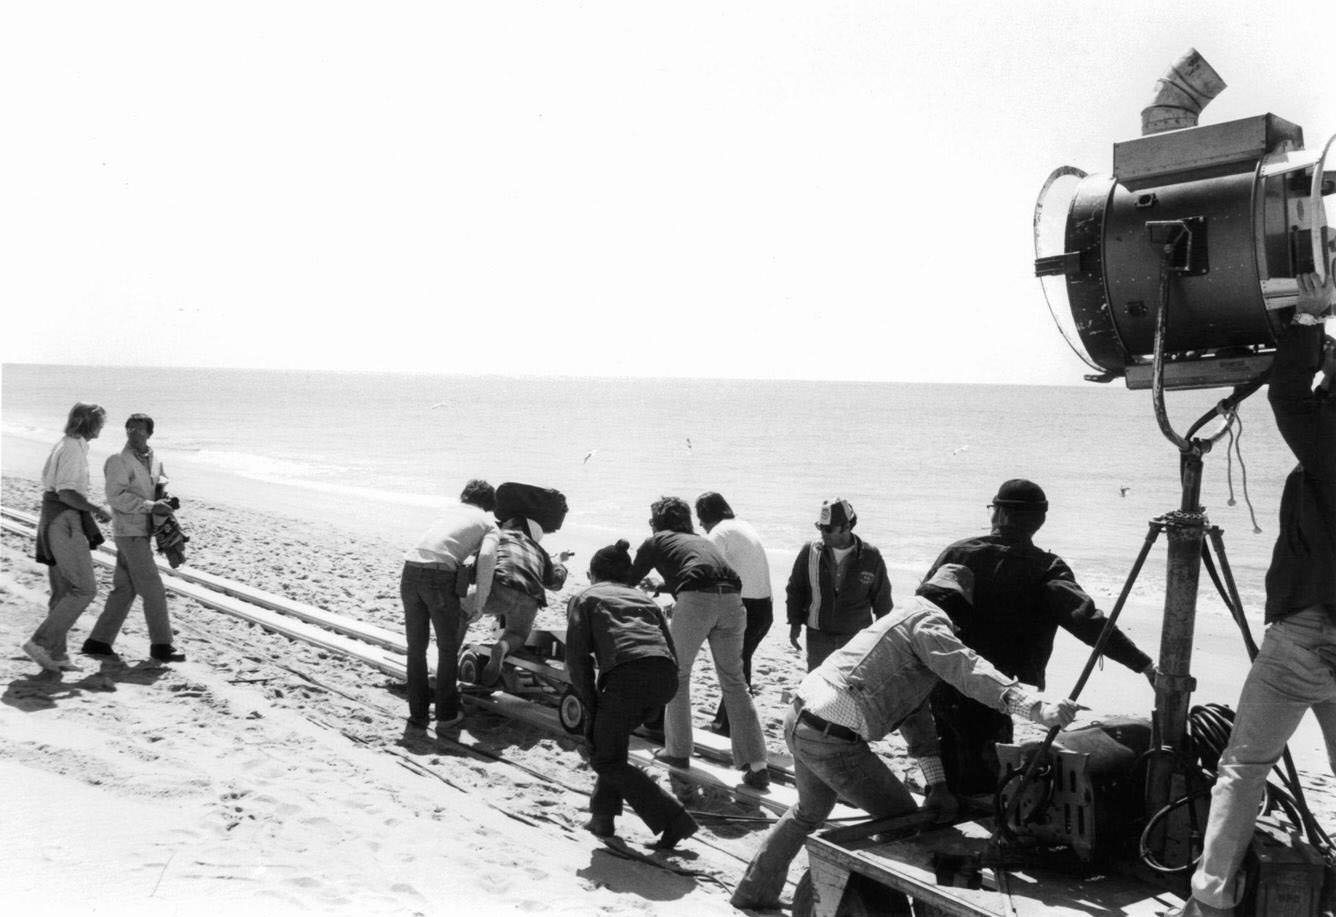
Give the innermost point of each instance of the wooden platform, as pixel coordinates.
(907, 865)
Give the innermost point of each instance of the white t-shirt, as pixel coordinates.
(741, 547)
(66, 467)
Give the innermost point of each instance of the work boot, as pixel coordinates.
(601, 826)
(93, 647)
(165, 652)
(679, 829)
(757, 780)
(491, 672)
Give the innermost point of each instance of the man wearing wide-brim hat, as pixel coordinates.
(1022, 595)
(875, 684)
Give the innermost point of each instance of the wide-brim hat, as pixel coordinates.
(955, 577)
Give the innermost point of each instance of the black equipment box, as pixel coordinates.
(543, 505)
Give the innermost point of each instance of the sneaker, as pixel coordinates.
(165, 652)
(96, 648)
(66, 665)
(39, 655)
(757, 780)
(449, 723)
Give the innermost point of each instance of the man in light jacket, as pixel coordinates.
(877, 683)
(132, 479)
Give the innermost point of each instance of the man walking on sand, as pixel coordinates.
(1022, 595)
(1294, 669)
(433, 579)
(133, 477)
(742, 549)
(877, 683)
(838, 585)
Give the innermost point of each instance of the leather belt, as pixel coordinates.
(719, 589)
(430, 565)
(826, 727)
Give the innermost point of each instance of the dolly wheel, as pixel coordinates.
(469, 667)
(571, 712)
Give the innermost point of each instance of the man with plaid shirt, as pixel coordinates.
(523, 574)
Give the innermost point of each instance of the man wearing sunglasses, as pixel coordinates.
(838, 586)
(1022, 595)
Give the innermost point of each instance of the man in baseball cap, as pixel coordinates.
(838, 585)
(1022, 595)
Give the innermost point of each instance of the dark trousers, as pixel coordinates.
(821, 644)
(969, 733)
(430, 603)
(630, 694)
(760, 615)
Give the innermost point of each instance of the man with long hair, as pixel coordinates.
(66, 535)
(708, 607)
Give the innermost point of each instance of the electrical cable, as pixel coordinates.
(1235, 447)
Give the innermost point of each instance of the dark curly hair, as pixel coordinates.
(479, 493)
(140, 419)
(670, 514)
(711, 507)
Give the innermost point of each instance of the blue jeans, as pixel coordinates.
(430, 603)
(1292, 672)
(825, 769)
(720, 619)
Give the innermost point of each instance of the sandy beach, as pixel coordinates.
(262, 775)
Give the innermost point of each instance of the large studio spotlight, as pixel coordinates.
(1199, 232)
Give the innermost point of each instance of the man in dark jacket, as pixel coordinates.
(838, 586)
(624, 633)
(1294, 669)
(1022, 595)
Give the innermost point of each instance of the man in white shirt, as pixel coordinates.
(742, 548)
(433, 580)
(132, 479)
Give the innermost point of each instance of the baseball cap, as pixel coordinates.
(837, 512)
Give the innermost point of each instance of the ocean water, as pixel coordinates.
(919, 462)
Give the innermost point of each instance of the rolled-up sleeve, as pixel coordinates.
(69, 468)
(941, 651)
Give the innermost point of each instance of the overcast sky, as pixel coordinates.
(790, 190)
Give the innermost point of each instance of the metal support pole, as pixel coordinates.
(1186, 529)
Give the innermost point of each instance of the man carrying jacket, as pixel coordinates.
(838, 585)
(132, 479)
(877, 683)
(1022, 595)
(1293, 670)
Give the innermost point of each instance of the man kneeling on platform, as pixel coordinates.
(523, 573)
(624, 632)
(877, 683)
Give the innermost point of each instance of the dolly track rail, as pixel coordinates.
(384, 651)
